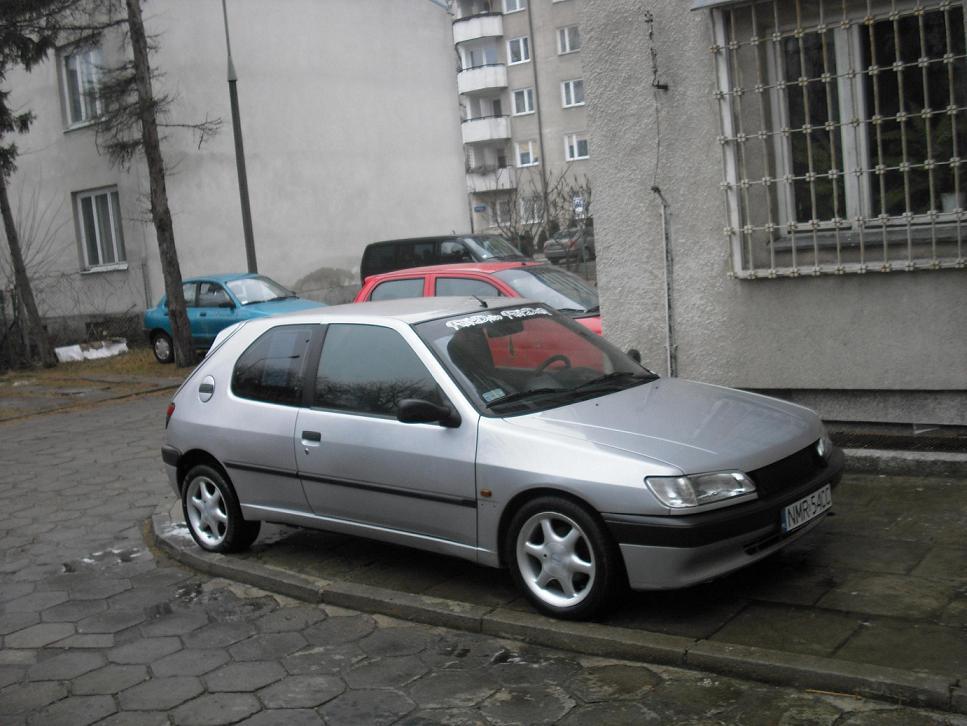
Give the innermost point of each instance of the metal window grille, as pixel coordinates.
(843, 134)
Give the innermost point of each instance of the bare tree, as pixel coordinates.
(131, 122)
(28, 30)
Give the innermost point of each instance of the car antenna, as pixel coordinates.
(483, 303)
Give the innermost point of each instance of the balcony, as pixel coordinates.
(490, 179)
(473, 27)
(482, 78)
(486, 128)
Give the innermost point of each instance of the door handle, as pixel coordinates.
(311, 436)
(202, 315)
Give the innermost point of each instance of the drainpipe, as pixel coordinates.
(540, 124)
(670, 347)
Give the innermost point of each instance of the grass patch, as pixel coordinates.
(136, 363)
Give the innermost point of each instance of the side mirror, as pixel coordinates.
(417, 410)
(634, 355)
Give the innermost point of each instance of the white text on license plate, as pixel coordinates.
(807, 508)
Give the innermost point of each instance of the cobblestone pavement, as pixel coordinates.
(96, 628)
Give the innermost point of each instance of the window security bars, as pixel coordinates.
(844, 135)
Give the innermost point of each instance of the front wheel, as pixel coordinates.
(562, 558)
(213, 514)
(162, 347)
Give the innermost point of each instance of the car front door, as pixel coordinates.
(362, 466)
(216, 311)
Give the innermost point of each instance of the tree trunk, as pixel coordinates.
(160, 213)
(35, 326)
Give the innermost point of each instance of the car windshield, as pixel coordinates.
(525, 358)
(492, 247)
(560, 289)
(566, 234)
(258, 289)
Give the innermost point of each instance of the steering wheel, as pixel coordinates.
(556, 358)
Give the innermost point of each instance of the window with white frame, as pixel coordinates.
(526, 155)
(568, 39)
(523, 101)
(575, 147)
(98, 215)
(501, 210)
(844, 132)
(518, 50)
(572, 93)
(531, 209)
(512, 6)
(81, 72)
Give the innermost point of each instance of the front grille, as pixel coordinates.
(787, 473)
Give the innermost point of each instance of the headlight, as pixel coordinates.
(824, 446)
(678, 492)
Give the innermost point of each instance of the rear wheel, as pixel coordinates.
(213, 514)
(163, 349)
(562, 558)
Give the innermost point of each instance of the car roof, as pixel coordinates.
(486, 268)
(406, 310)
(223, 277)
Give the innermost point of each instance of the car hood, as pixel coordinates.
(277, 307)
(694, 427)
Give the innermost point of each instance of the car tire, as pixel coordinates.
(576, 576)
(213, 514)
(162, 347)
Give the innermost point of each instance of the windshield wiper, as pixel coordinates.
(615, 377)
(521, 395)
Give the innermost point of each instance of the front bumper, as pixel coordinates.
(665, 552)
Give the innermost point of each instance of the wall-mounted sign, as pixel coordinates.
(479, 208)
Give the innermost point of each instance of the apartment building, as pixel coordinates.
(344, 105)
(524, 124)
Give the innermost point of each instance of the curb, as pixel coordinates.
(906, 463)
(759, 664)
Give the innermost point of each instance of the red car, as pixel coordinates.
(544, 283)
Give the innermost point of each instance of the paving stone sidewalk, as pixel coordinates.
(96, 628)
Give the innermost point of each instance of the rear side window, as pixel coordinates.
(461, 287)
(270, 369)
(368, 369)
(396, 289)
(379, 258)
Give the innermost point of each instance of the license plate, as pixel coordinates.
(807, 508)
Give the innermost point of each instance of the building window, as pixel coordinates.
(501, 212)
(568, 39)
(81, 75)
(531, 209)
(844, 129)
(99, 222)
(523, 101)
(575, 147)
(525, 153)
(512, 6)
(519, 50)
(572, 93)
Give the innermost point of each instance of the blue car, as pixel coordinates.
(216, 301)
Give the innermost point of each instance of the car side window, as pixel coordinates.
(270, 369)
(188, 290)
(396, 289)
(212, 295)
(454, 251)
(463, 287)
(369, 369)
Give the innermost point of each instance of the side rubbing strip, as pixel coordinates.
(426, 496)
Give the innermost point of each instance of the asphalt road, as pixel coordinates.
(96, 628)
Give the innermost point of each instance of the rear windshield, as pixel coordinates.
(491, 247)
(560, 289)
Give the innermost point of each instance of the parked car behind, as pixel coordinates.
(398, 254)
(495, 430)
(562, 290)
(572, 244)
(216, 301)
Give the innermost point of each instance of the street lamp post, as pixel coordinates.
(239, 154)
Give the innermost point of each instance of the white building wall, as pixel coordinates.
(351, 132)
(877, 347)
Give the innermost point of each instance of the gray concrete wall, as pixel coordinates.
(351, 130)
(842, 340)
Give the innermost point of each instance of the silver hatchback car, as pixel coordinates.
(495, 430)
